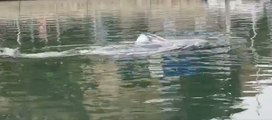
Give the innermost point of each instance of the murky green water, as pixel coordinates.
(230, 81)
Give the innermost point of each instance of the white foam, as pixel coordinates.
(9, 52)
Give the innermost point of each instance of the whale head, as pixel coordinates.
(142, 39)
(145, 39)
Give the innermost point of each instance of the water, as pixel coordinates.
(229, 81)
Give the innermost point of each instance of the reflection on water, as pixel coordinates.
(230, 82)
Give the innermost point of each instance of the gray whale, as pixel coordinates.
(145, 45)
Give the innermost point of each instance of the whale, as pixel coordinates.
(146, 44)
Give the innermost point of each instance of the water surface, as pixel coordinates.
(230, 81)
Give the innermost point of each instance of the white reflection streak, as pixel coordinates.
(259, 106)
(255, 55)
(32, 36)
(253, 13)
(18, 25)
(228, 23)
(155, 67)
(19, 32)
(32, 31)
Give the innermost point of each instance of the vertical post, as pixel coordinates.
(94, 21)
(268, 8)
(88, 21)
(57, 22)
